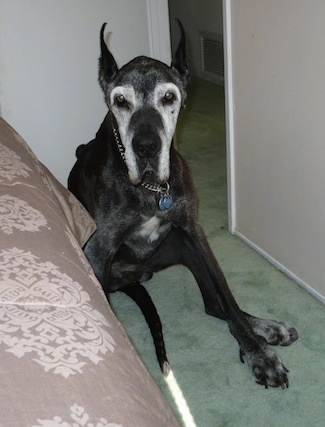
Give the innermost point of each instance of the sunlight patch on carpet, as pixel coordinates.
(180, 401)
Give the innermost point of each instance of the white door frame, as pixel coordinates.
(226, 8)
(159, 32)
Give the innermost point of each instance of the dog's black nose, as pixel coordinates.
(146, 146)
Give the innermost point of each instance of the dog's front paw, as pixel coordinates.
(275, 333)
(266, 365)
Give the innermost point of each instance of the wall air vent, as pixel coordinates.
(212, 60)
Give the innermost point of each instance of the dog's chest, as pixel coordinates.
(145, 238)
(151, 229)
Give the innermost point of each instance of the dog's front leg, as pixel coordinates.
(101, 248)
(100, 258)
(254, 349)
(100, 251)
(191, 249)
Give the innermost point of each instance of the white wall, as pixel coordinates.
(48, 67)
(276, 132)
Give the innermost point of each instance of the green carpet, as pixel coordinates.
(219, 390)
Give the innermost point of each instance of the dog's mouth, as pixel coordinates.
(148, 170)
(150, 176)
(149, 173)
(152, 173)
(146, 174)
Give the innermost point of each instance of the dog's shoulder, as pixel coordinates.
(91, 158)
(96, 149)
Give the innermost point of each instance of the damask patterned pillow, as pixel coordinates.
(46, 284)
(64, 358)
(19, 166)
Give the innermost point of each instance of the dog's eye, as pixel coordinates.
(120, 100)
(169, 97)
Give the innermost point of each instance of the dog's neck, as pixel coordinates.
(164, 199)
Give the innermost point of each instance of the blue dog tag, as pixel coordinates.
(165, 202)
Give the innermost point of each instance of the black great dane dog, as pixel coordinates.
(138, 189)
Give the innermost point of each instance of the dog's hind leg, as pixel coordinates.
(141, 297)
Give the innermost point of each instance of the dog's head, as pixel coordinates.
(145, 97)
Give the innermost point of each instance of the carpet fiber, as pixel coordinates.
(219, 390)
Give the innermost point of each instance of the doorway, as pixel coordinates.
(203, 24)
(201, 133)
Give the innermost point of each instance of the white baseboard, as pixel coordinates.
(281, 267)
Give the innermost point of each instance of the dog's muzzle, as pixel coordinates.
(145, 147)
(146, 141)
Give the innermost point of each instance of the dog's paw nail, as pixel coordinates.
(285, 383)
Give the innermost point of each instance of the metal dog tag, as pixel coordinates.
(165, 202)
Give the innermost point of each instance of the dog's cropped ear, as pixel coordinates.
(107, 65)
(180, 60)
